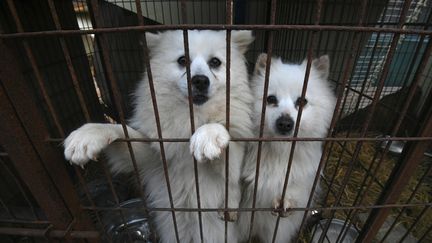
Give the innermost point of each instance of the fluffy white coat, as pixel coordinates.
(285, 83)
(207, 144)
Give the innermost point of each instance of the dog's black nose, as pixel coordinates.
(200, 82)
(284, 124)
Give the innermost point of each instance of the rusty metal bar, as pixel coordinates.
(117, 96)
(363, 87)
(45, 176)
(213, 27)
(76, 234)
(34, 67)
(141, 23)
(270, 38)
(417, 80)
(192, 123)
(6, 208)
(363, 207)
(345, 77)
(229, 17)
(68, 59)
(20, 188)
(270, 139)
(191, 113)
(419, 184)
(35, 125)
(398, 177)
(426, 233)
(27, 159)
(365, 126)
(313, 45)
(146, 60)
(119, 104)
(415, 222)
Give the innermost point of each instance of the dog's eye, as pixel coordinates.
(214, 62)
(182, 61)
(299, 102)
(272, 100)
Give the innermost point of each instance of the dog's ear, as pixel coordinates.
(321, 66)
(152, 40)
(260, 64)
(242, 39)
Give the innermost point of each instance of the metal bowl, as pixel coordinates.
(131, 225)
(396, 147)
(335, 228)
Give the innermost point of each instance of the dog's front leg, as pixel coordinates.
(234, 196)
(87, 142)
(209, 141)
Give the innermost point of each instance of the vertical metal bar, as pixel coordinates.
(29, 163)
(229, 19)
(34, 66)
(360, 93)
(398, 177)
(119, 105)
(20, 188)
(14, 84)
(426, 233)
(413, 194)
(147, 63)
(414, 85)
(69, 61)
(345, 77)
(300, 109)
(191, 115)
(415, 222)
(262, 119)
(365, 126)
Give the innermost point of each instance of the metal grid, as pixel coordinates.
(318, 29)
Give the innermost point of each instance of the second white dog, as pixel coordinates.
(207, 144)
(283, 101)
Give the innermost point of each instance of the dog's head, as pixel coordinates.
(284, 97)
(207, 52)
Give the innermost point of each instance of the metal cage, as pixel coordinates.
(64, 63)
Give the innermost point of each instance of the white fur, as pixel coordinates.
(286, 81)
(207, 143)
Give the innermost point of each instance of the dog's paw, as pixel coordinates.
(87, 142)
(228, 216)
(282, 206)
(208, 142)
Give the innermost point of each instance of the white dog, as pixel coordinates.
(207, 144)
(283, 101)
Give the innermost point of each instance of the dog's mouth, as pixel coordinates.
(284, 134)
(199, 99)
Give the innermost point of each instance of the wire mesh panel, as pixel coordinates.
(66, 63)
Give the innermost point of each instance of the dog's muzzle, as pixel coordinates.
(200, 86)
(284, 124)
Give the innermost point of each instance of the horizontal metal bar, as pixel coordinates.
(213, 27)
(48, 233)
(259, 209)
(270, 139)
(23, 221)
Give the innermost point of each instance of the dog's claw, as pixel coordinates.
(228, 216)
(95, 158)
(282, 207)
(82, 167)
